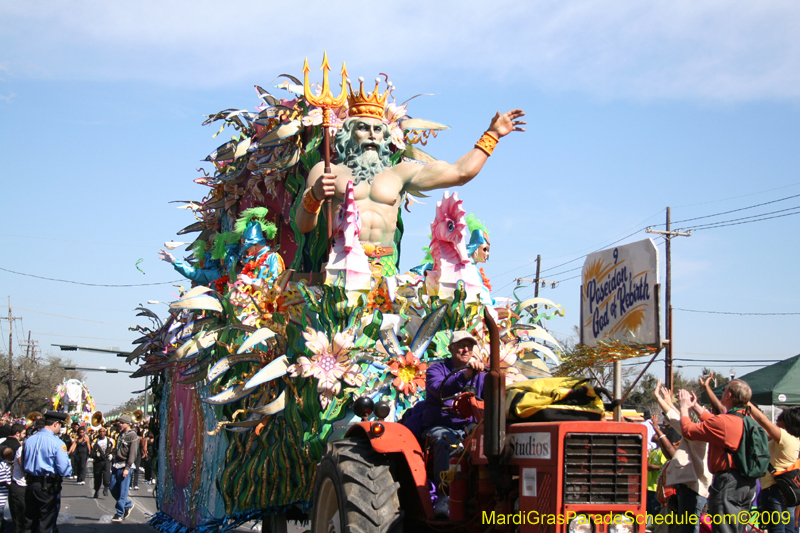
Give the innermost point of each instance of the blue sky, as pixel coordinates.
(631, 107)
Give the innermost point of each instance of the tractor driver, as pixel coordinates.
(444, 427)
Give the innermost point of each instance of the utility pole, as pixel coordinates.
(31, 347)
(537, 280)
(668, 236)
(11, 318)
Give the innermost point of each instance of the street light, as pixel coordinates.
(97, 369)
(733, 373)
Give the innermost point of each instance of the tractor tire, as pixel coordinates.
(355, 491)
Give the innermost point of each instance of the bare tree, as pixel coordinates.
(34, 382)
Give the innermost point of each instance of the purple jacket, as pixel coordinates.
(432, 414)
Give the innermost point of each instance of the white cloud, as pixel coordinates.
(7, 98)
(736, 50)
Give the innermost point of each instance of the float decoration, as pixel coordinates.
(256, 368)
(73, 397)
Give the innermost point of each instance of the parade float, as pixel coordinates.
(297, 307)
(72, 396)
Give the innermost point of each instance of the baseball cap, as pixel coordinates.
(459, 336)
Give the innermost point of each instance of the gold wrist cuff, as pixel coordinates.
(311, 204)
(487, 142)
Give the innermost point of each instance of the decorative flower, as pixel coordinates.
(330, 364)
(509, 353)
(485, 279)
(393, 114)
(221, 284)
(232, 194)
(378, 298)
(251, 268)
(314, 118)
(409, 372)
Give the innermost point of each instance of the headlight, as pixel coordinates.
(581, 524)
(621, 523)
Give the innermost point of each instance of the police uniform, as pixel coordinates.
(45, 461)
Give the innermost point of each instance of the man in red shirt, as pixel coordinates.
(730, 492)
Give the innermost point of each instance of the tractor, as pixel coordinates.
(554, 477)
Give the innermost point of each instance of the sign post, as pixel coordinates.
(620, 301)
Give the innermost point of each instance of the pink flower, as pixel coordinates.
(330, 364)
(509, 353)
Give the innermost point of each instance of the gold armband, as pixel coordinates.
(487, 142)
(311, 204)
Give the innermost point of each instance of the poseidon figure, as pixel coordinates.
(362, 148)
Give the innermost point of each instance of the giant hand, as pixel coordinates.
(325, 187)
(504, 124)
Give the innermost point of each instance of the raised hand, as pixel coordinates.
(685, 399)
(666, 394)
(504, 124)
(166, 256)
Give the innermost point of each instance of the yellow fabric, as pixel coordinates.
(655, 458)
(541, 393)
(782, 455)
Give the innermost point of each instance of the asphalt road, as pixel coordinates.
(82, 513)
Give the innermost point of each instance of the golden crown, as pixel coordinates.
(370, 106)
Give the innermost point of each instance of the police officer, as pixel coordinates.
(45, 462)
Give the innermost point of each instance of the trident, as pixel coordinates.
(325, 101)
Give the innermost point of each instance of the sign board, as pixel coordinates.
(525, 445)
(530, 445)
(619, 299)
(529, 482)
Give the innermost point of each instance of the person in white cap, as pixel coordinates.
(443, 427)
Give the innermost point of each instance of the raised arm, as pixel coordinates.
(715, 403)
(440, 175)
(773, 431)
(664, 401)
(663, 441)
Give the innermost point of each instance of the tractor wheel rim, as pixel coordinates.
(326, 519)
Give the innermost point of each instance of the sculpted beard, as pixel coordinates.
(364, 164)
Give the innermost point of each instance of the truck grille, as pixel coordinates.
(602, 468)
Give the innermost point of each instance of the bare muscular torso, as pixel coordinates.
(378, 202)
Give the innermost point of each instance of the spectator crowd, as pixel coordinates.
(85, 445)
(723, 470)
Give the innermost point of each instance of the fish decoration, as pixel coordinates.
(202, 303)
(274, 369)
(226, 363)
(259, 336)
(229, 395)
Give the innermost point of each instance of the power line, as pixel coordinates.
(738, 365)
(89, 284)
(76, 241)
(735, 210)
(728, 360)
(73, 318)
(745, 218)
(722, 225)
(740, 196)
(733, 313)
(80, 337)
(605, 246)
